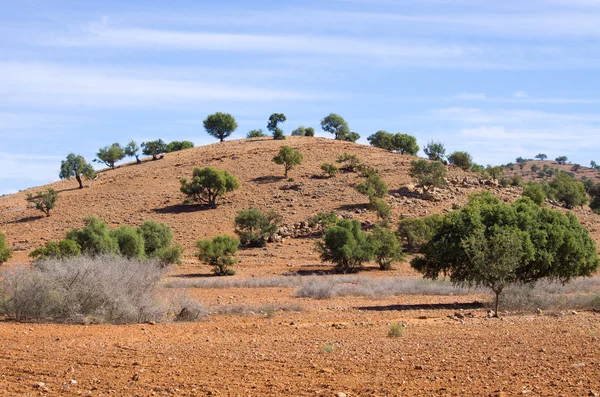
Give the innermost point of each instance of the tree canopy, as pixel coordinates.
(76, 166)
(154, 148)
(428, 173)
(289, 157)
(336, 125)
(274, 120)
(208, 184)
(109, 155)
(220, 125)
(435, 151)
(461, 159)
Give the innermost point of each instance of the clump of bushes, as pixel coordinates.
(219, 252)
(176, 146)
(346, 245)
(428, 174)
(255, 228)
(350, 162)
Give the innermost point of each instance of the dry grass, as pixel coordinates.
(264, 310)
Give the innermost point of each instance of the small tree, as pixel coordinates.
(255, 228)
(207, 185)
(219, 252)
(535, 168)
(383, 140)
(387, 248)
(155, 236)
(220, 125)
(109, 155)
(176, 146)
(436, 151)
(95, 238)
(130, 242)
(56, 250)
(541, 156)
(461, 159)
(569, 191)
(374, 186)
(273, 125)
(562, 159)
(380, 207)
(5, 251)
(535, 192)
(428, 174)
(350, 162)
(337, 126)
(405, 144)
(289, 157)
(154, 148)
(329, 169)
(133, 150)
(76, 166)
(43, 201)
(346, 245)
(309, 131)
(300, 131)
(255, 134)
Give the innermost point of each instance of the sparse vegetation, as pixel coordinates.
(132, 150)
(330, 170)
(302, 131)
(76, 166)
(428, 174)
(562, 159)
(396, 330)
(255, 228)
(350, 162)
(374, 186)
(380, 207)
(336, 125)
(207, 185)
(44, 201)
(289, 157)
(220, 125)
(219, 252)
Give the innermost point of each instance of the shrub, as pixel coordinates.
(44, 201)
(109, 155)
(336, 125)
(374, 186)
(562, 159)
(218, 252)
(156, 236)
(346, 245)
(176, 146)
(461, 159)
(103, 289)
(396, 330)
(576, 167)
(380, 207)
(254, 227)
(516, 180)
(5, 251)
(435, 151)
(428, 174)
(414, 232)
(130, 242)
(56, 250)
(132, 150)
(541, 156)
(95, 238)
(154, 148)
(255, 134)
(207, 185)
(329, 170)
(76, 166)
(309, 131)
(493, 244)
(495, 172)
(386, 246)
(170, 255)
(220, 125)
(382, 140)
(568, 191)
(535, 168)
(301, 131)
(367, 171)
(289, 157)
(273, 125)
(326, 219)
(350, 162)
(535, 192)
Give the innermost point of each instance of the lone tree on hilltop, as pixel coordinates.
(132, 150)
(435, 151)
(562, 159)
(428, 174)
(207, 185)
(274, 120)
(289, 157)
(109, 155)
(405, 144)
(336, 125)
(541, 156)
(44, 201)
(154, 148)
(76, 166)
(493, 244)
(220, 125)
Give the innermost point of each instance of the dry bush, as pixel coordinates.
(252, 282)
(265, 310)
(105, 289)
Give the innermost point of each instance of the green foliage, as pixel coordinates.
(535, 192)
(154, 148)
(562, 159)
(387, 248)
(401, 143)
(324, 218)
(56, 250)
(76, 166)
(329, 169)
(302, 131)
(521, 160)
(170, 255)
(109, 155)
(490, 243)
(414, 232)
(220, 125)
(255, 134)
(535, 168)
(346, 245)
(380, 207)
(495, 172)
(350, 162)
(273, 125)
(44, 201)
(219, 252)
(130, 242)
(207, 185)
(461, 159)
(367, 171)
(374, 186)
(156, 236)
(336, 125)
(382, 140)
(396, 330)
(132, 150)
(5, 251)
(428, 174)
(478, 169)
(95, 238)
(594, 192)
(289, 157)
(576, 167)
(254, 227)
(568, 191)
(541, 156)
(517, 180)
(309, 131)
(176, 146)
(435, 151)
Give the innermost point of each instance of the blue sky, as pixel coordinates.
(498, 79)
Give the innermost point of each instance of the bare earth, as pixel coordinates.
(338, 345)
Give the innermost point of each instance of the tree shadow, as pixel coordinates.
(351, 207)
(328, 272)
(425, 306)
(27, 219)
(194, 275)
(267, 179)
(68, 189)
(182, 208)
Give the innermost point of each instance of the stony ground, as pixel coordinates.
(327, 347)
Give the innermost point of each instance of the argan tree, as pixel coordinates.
(5, 251)
(220, 125)
(435, 151)
(289, 157)
(219, 252)
(132, 150)
(274, 120)
(44, 201)
(207, 184)
(76, 166)
(254, 227)
(347, 246)
(95, 238)
(154, 148)
(176, 146)
(336, 125)
(493, 244)
(461, 159)
(541, 156)
(109, 155)
(374, 186)
(562, 159)
(568, 191)
(255, 134)
(387, 248)
(428, 174)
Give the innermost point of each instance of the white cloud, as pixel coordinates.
(520, 95)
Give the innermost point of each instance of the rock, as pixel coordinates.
(72, 382)
(340, 394)
(459, 315)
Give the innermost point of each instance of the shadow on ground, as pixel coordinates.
(435, 306)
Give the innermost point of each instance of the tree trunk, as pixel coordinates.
(497, 299)
(78, 177)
